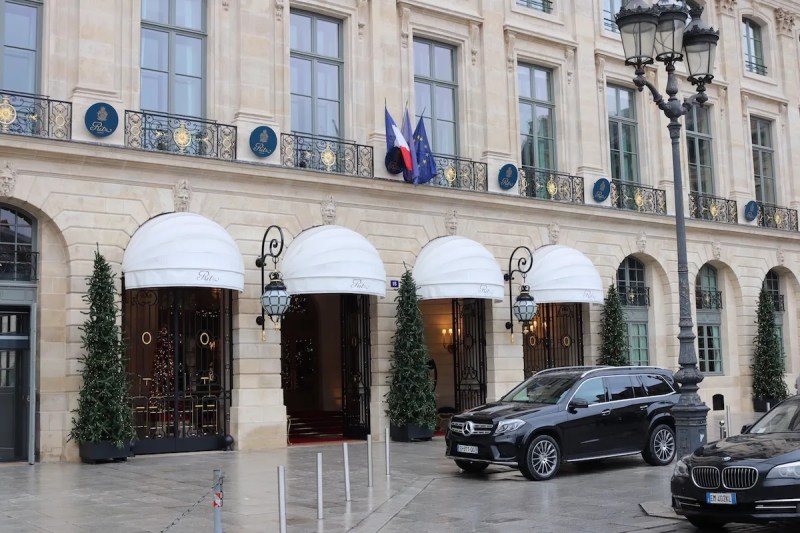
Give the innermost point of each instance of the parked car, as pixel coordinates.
(566, 415)
(753, 477)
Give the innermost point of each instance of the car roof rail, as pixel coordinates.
(588, 369)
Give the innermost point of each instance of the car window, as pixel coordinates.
(638, 388)
(541, 389)
(782, 419)
(619, 388)
(656, 385)
(593, 391)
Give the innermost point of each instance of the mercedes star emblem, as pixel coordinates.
(469, 428)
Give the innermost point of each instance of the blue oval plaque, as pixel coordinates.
(751, 210)
(507, 177)
(263, 141)
(101, 119)
(601, 190)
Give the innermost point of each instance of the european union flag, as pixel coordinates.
(425, 162)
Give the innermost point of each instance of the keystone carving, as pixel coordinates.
(182, 195)
(8, 179)
(328, 210)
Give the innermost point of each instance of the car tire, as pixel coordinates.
(541, 459)
(471, 467)
(660, 449)
(705, 523)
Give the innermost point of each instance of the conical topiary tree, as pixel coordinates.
(104, 412)
(410, 399)
(613, 332)
(767, 367)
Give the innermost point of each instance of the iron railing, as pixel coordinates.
(545, 6)
(707, 207)
(550, 185)
(756, 67)
(707, 299)
(610, 25)
(157, 132)
(773, 216)
(19, 265)
(635, 297)
(778, 303)
(35, 116)
(326, 155)
(636, 197)
(457, 173)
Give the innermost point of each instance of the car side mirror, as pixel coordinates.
(745, 428)
(578, 403)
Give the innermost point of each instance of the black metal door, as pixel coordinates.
(469, 353)
(14, 354)
(555, 338)
(178, 343)
(355, 365)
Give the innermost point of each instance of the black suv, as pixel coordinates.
(570, 414)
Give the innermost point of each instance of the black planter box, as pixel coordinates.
(760, 404)
(97, 452)
(410, 433)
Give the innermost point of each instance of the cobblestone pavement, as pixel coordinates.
(425, 493)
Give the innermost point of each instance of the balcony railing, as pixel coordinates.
(706, 299)
(756, 67)
(707, 207)
(549, 185)
(773, 216)
(539, 5)
(35, 116)
(326, 155)
(635, 297)
(635, 197)
(778, 303)
(176, 134)
(19, 265)
(458, 173)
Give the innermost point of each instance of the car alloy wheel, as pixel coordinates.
(660, 446)
(542, 459)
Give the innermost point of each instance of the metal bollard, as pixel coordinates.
(282, 499)
(722, 432)
(387, 453)
(346, 472)
(319, 486)
(217, 501)
(369, 460)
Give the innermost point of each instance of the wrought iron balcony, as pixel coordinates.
(457, 173)
(773, 216)
(540, 5)
(777, 303)
(35, 115)
(326, 155)
(157, 132)
(706, 299)
(636, 197)
(19, 265)
(635, 296)
(756, 67)
(550, 185)
(707, 207)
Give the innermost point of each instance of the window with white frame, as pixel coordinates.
(610, 10)
(752, 45)
(709, 351)
(698, 146)
(709, 320)
(435, 94)
(173, 56)
(21, 27)
(545, 6)
(536, 117)
(622, 134)
(638, 354)
(763, 160)
(635, 298)
(317, 66)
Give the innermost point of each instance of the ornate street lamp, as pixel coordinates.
(275, 299)
(664, 25)
(524, 307)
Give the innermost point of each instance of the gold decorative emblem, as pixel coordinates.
(551, 186)
(713, 210)
(566, 341)
(450, 174)
(182, 136)
(778, 219)
(102, 115)
(8, 114)
(264, 137)
(638, 199)
(328, 156)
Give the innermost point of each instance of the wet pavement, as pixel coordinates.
(425, 492)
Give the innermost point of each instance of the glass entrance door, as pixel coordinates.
(14, 353)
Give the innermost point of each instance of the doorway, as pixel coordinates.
(555, 337)
(14, 366)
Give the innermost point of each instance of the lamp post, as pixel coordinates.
(660, 33)
(524, 307)
(275, 299)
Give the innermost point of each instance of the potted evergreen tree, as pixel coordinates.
(768, 384)
(411, 402)
(103, 425)
(613, 331)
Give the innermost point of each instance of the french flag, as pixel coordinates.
(396, 139)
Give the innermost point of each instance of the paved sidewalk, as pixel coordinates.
(425, 492)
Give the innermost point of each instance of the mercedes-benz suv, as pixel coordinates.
(566, 415)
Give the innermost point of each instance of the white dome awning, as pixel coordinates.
(563, 274)
(457, 267)
(333, 259)
(182, 250)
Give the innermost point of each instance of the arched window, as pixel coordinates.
(17, 258)
(708, 299)
(752, 46)
(635, 296)
(707, 295)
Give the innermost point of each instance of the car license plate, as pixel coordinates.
(726, 498)
(463, 448)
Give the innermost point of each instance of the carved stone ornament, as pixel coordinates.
(451, 222)
(328, 210)
(716, 249)
(784, 20)
(723, 99)
(474, 41)
(569, 55)
(363, 17)
(182, 195)
(726, 6)
(745, 105)
(641, 242)
(553, 231)
(279, 10)
(781, 256)
(600, 64)
(511, 57)
(8, 179)
(405, 26)
(226, 4)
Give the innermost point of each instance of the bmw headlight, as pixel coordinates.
(787, 471)
(506, 426)
(681, 469)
